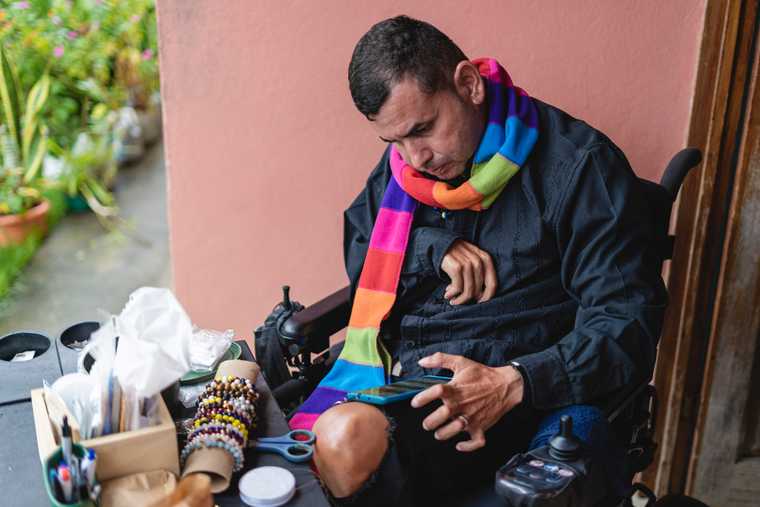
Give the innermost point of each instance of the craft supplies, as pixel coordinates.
(66, 440)
(70, 476)
(119, 454)
(295, 446)
(225, 416)
(64, 479)
(88, 467)
(226, 412)
(267, 487)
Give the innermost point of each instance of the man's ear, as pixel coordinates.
(469, 83)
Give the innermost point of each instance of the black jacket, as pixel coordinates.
(580, 298)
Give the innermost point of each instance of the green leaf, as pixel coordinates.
(36, 162)
(101, 194)
(34, 103)
(10, 99)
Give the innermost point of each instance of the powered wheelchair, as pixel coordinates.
(293, 349)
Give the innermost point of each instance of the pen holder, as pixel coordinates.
(52, 464)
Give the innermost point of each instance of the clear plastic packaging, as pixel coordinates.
(208, 346)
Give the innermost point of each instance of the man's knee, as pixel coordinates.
(351, 442)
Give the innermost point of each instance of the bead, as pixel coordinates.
(226, 411)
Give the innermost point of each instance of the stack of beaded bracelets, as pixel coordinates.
(226, 413)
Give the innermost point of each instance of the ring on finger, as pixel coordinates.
(465, 422)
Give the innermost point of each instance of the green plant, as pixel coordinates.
(96, 52)
(88, 169)
(23, 139)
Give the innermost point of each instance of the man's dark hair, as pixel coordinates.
(395, 49)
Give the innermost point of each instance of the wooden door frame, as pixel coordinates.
(700, 228)
(723, 469)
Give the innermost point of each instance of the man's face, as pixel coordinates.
(435, 133)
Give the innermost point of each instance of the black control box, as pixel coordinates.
(560, 474)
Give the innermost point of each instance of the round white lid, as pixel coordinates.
(267, 487)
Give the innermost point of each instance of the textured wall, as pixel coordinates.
(265, 149)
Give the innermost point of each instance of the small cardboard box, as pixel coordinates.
(119, 454)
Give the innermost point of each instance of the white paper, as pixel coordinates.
(24, 356)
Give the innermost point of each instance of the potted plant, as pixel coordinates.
(23, 144)
(87, 173)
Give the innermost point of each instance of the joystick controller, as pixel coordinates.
(560, 474)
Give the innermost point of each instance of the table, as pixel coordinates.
(21, 473)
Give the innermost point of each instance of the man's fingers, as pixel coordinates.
(454, 270)
(478, 275)
(453, 428)
(440, 360)
(472, 274)
(437, 418)
(490, 279)
(468, 284)
(477, 440)
(428, 395)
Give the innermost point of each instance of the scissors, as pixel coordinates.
(295, 446)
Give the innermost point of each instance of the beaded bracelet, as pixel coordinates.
(206, 416)
(232, 386)
(225, 414)
(217, 435)
(230, 404)
(227, 429)
(219, 441)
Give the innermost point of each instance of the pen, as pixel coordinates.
(87, 472)
(66, 439)
(88, 467)
(64, 478)
(55, 485)
(69, 457)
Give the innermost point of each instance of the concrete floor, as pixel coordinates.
(82, 271)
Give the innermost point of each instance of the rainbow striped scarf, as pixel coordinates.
(508, 139)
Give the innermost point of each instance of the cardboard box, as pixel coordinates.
(120, 454)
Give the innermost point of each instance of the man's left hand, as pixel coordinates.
(473, 401)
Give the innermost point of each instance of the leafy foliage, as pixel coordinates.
(95, 51)
(23, 139)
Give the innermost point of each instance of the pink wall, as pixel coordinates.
(265, 149)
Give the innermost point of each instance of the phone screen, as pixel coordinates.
(404, 386)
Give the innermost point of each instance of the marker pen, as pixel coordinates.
(64, 478)
(55, 485)
(88, 467)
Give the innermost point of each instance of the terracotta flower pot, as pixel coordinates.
(14, 229)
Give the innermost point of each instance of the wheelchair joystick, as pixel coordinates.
(273, 351)
(286, 304)
(559, 474)
(565, 446)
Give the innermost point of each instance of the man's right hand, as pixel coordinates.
(471, 271)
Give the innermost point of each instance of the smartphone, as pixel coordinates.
(397, 391)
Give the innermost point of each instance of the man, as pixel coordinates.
(540, 297)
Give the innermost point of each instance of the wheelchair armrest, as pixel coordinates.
(322, 319)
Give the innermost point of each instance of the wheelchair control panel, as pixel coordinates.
(560, 474)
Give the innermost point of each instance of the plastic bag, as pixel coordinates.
(208, 347)
(154, 342)
(188, 395)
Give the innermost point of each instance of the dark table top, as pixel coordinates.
(21, 472)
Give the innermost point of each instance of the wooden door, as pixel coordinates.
(724, 467)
